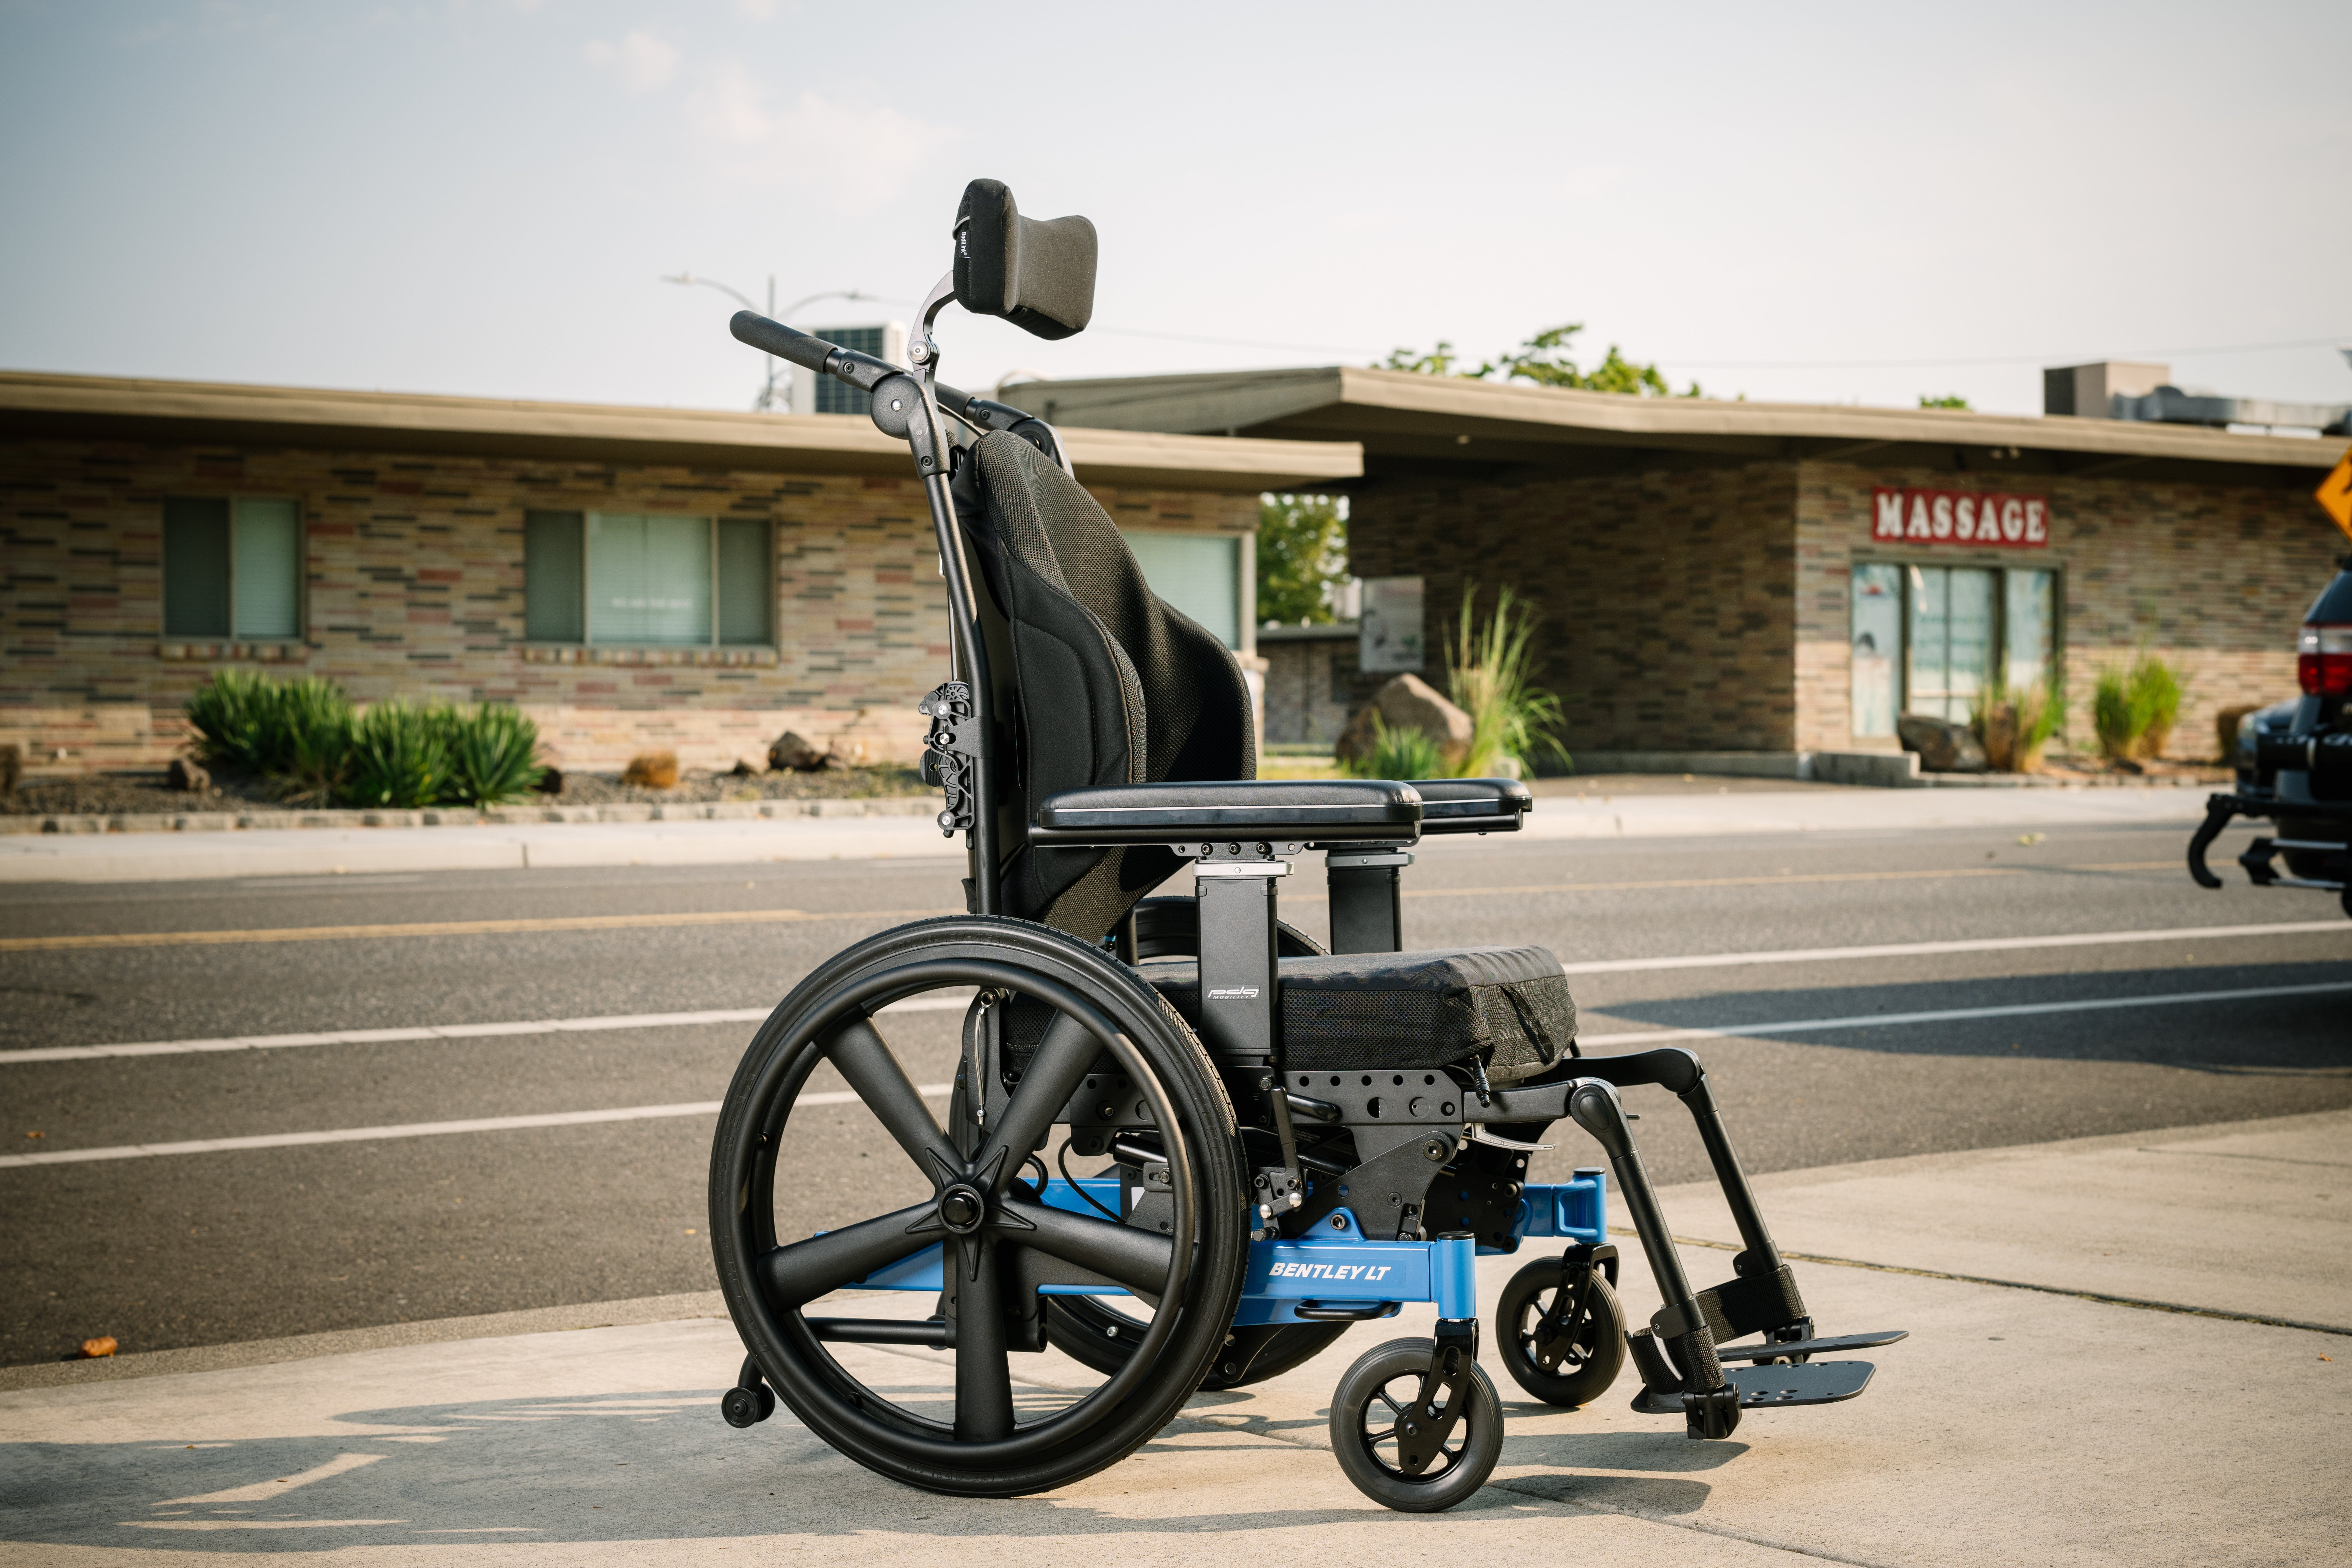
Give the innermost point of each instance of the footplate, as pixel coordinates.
(1800, 1349)
(1766, 1388)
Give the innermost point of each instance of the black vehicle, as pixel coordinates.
(2295, 766)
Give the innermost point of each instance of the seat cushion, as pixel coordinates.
(1507, 1006)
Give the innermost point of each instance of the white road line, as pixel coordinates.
(1955, 1015)
(1971, 944)
(441, 1032)
(418, 1130)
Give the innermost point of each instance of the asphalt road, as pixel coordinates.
(246, 1244)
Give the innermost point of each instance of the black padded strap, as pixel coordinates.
(1742, 1307)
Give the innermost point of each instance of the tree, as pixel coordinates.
(1950, 400)
(1544, 360)
(1302, 557)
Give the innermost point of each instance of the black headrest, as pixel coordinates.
(1038, 276)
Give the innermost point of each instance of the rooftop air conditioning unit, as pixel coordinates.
(814, 393)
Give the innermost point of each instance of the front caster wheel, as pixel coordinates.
(1569, 1368)
(1375, 1416)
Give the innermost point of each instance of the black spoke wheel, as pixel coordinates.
(1574, 1366)
(1373, 1406)
(982, 1212)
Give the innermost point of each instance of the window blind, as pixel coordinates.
(266, 576)
(553, 606)
(648, 579)
(747, 581)
(1200, 574)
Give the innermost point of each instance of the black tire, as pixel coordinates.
(1088, 1329)
(1584, 1366)
(1170, 927)
(980, 1205)
(1375, 1395)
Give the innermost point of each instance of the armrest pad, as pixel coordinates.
(1473, 805)
(1377, 811)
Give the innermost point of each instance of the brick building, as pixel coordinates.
(1784, 581)
(632, 578)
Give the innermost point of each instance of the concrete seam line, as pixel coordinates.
(2141, 1303)
(1517, 1484)
(414, 1129)
(440, 1032)
(1958, 1014)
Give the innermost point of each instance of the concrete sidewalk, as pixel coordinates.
(2027, 1422)
(280, 852)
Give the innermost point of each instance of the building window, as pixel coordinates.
(1931, 640)
(1199, 574)
(232, 569)
(648, 579)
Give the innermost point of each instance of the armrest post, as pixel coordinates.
(1366, 896)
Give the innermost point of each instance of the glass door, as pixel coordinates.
(1877, 649)
(1951, 640)
(2029, 614)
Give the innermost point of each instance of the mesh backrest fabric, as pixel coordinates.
(1106, 685)
(1040, 275)
(1508, 1007)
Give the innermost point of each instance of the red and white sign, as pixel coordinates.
(1960, 516)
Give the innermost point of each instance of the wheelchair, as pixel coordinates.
(1283, 1141)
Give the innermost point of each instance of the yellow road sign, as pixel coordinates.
(2336, 493)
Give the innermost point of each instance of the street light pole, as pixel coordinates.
(767, 399)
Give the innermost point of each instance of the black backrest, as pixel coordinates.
(1098, 681)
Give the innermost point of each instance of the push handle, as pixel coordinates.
(775, 338)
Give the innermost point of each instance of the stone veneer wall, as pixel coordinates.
(1669, 599)
(1312, 684)
(2212, 578)
(414, 587)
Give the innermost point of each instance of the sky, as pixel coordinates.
(1825, 203)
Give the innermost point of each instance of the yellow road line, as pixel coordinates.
(454, 928)
(778, 917)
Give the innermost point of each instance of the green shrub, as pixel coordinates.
(1401, 754)
(2135, 706)
(399, 757)
(296, 734)
(1488, 668)
(493, 754)
(2015, 722)
(2155, 690)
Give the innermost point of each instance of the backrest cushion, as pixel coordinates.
(1107, 684)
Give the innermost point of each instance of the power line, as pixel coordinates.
(2009, 359)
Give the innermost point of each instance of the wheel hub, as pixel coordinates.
(962, 1208)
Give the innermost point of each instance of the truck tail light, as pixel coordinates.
(2324, 661)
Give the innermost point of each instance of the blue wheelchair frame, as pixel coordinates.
(1329, 1272)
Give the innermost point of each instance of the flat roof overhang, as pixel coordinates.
(141, 410)
(1436, 426)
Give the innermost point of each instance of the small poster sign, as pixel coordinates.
(1389, 630)
(1976, 518)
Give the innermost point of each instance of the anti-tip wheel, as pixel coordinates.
(1570, 1369)
(1376, 1400)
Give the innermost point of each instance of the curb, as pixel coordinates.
(500, 816)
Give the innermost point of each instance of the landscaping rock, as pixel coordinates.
(794, 752)
(188, 777)
(742, 769)
(550, 781)
(652, 770)
(1944, 747)
(1408, 702)
(12, 765)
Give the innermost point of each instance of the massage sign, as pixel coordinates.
(1973, 517)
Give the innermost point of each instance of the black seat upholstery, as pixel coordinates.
(1105, 683)
(1507, 1006)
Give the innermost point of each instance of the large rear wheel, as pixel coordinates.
(976, 1198)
